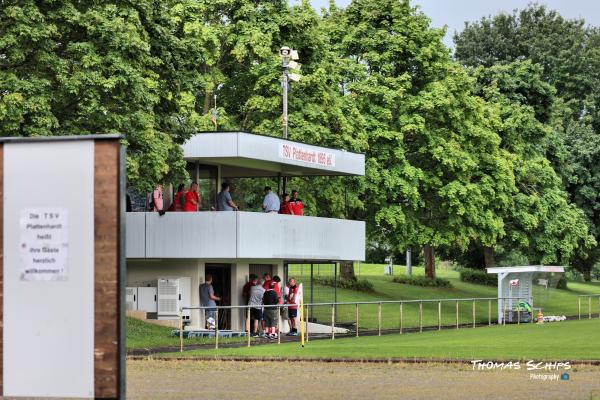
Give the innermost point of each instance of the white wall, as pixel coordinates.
(48, 332)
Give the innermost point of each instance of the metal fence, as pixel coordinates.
(379, 317)
(589, 298)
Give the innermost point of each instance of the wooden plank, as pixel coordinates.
(1, 269)
(106, 275)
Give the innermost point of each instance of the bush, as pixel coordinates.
(360, 285)
(562, 283)
(423, 281)
(478, 277)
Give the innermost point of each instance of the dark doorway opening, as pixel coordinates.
(221, 274)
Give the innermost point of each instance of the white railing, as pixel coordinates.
(243, 235)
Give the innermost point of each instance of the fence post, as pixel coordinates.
(518, 315)
(590, 307)
(356, 319)
(180, 330)
(401, 316)
(504, 311)
(456, 314)
(579, 306)
(379, 320)
(420, 316)
(306, 321)
(278, 325)
(332, 321)
(439, 315)
(489, 312)
(217, 329)
(248, 325)
(474, 322)
(598, 306)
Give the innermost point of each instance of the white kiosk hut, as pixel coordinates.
(515, 284)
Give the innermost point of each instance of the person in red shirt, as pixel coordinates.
(293, 306)
(296, 204)
(179, 198)
(247, 286)
(286, 207)
(193, 201)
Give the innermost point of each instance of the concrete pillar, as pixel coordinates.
(239, 277)
(197, 317)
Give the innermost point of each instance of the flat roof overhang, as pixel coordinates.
(526, 268)
(244, 155)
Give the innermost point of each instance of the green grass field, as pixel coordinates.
(572, 340)
(552, 301)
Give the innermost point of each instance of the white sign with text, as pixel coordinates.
(295, 152)
(44, 244)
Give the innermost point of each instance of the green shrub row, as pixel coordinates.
(360, 285)
(478, 277)
(423, 281)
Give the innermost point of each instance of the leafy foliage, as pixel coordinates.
(478, 277)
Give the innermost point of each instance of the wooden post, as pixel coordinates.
(456, 314)
(217, 328)
(474, 320)
(248, 328)
(489, 313)
(278, 324)
(439, 315)
(401, 316)
(332, 321)
(518, 315)
(180, 331)
(356, 319)
(579, 306)
(420, 317)
(379, 320)
(590, 307)
(306, 321)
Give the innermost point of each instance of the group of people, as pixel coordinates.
(190, 200)
(264, 321)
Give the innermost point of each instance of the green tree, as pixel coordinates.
(435, 173)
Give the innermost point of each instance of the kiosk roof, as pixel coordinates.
(526, 268)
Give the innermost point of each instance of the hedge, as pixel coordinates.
(423, 281)
(360, 285)
(478, 277)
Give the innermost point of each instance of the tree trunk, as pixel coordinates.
(206, 102)
(429, 261)
(488, 256)
(587, 275)
(347, 270)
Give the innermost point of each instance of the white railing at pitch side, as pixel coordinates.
(356, 304)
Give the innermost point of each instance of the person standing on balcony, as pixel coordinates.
(286, 206)
(224, 201)
(209, 299)
(292, 307)
(179, 201)
(296, 204)
(193, 201)
(270, 202)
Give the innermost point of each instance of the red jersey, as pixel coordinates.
(297, 207)
(291, 297)
(190, 197)
(179, 199)
(285, 208)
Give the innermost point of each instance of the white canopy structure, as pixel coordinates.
(516, 284)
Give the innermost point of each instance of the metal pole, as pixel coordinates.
(335, 282)
(215, 112)
(439, 315)
(180, 331)
(306, 320)
(217, 329)
(598, 306)
(401, 317)
(312, 284)
(456, 314)
(379, 320)
(579, 306)
(504, 312)
(408, 262)
(285, 85)
(420, 316)
(489, 313)
(474, 313)
(332, 321)
(356, 319)
(518, 315)
(590, 307)
(248, 324)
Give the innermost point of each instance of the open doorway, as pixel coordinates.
(221, 274)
